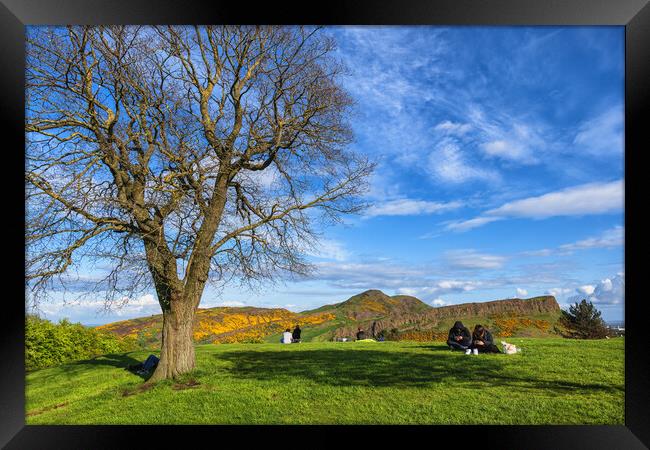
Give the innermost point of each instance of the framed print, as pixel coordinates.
(431, 201)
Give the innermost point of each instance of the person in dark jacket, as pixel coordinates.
(459, 337)
(295, 336)
(483, 341)
(361, 335)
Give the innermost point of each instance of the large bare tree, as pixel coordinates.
(178, 155)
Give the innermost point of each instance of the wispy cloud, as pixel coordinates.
(471, 259)
(603, 134)
(505, 137)
(587, 199)
(370, 275)
(558, 292)
(449, 164)
(592, 198)
(453, 128)
(409, 207)
(510, 150)
(442, 287)
(329, 249)
(610, 238)
(230, 303)
(89, 310)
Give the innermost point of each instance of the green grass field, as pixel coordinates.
(553, 381)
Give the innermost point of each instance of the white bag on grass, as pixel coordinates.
(509, 349)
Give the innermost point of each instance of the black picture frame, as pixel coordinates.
(634, 15)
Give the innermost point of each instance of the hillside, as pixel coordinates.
(399, 317)
(220, 325)
(524, 317)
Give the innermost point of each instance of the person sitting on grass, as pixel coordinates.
(295, 336)
(286, 337)
(361, 335)
(483, 341)
(459, 337)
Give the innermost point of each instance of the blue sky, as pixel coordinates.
(500, 173)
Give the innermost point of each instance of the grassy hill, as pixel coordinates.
(400, 317)
(552, 381)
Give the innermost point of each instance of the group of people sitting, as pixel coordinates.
(480, 341)
(289, 337)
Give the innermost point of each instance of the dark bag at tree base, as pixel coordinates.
(150, 363)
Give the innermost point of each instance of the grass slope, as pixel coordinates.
(553, 381)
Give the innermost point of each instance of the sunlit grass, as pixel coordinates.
(553, 381)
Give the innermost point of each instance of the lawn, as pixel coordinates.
(552, 381)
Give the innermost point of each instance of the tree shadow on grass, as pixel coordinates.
(76, 368)
(440, 348)
(379, 368)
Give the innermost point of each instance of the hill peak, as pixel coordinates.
(369, 294)
(374, 303)
(372, 292)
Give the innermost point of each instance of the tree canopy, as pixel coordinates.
(583, 321)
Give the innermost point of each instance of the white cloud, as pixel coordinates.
(369, 275)
(449, 127)
(542, 252)
(454, 286)
(407, 291)
(409, 207)
(266, 179)
(558, 292)
(144, 300)
(415, 279)
(442, 287)
(587, 289)
(586, 199)
(231, 303)
(603, 134)
(610, 238)
(81, 309)
(438, 302)
(449, 165)
(514, 151)
(470, 259)
(471, 223)
(506, 138)
(329, 249)
(609, 291)
(592, 198)
(521, 292)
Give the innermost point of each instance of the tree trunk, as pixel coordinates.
(177, 351)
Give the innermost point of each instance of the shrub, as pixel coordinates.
(390, 335)
(583, 321)
(48, 344)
